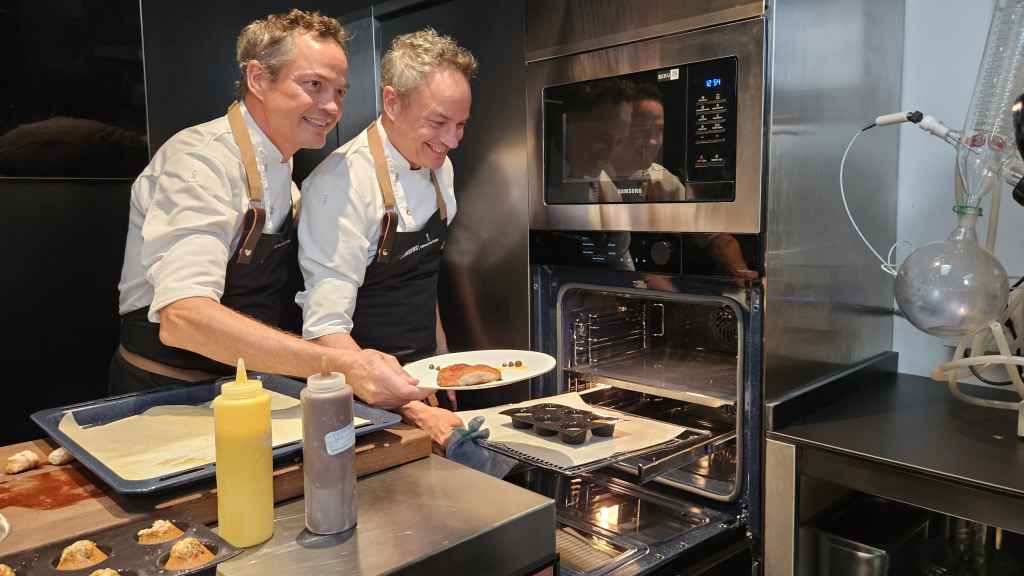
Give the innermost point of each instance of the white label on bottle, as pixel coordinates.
(340, 440)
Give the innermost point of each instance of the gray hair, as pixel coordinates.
(269, 41)
(414, 56)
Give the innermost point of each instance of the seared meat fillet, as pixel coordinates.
(467, 375)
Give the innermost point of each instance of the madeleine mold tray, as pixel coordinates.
(125, 555)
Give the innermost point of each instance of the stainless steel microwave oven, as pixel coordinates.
(663, 134)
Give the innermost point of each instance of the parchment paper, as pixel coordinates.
(631, 434)
(174, 438)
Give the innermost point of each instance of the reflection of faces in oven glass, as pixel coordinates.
(593, 137)
(646, 134)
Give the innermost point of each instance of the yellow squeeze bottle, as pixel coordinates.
(245, 466)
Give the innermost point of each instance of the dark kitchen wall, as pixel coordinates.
(190, 62)
(72, 135)
(63, 242)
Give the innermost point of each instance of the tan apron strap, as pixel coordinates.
(154, 367)
(389, 222)
(253, 184)
(240, 132)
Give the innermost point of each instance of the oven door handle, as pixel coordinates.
(651, 470)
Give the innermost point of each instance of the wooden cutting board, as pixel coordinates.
(53, 503)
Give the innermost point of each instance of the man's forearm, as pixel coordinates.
(340, 340)
(208, 328)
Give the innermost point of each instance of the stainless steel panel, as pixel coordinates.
(431, 516)
(562, 27)
(977, 504)
(744, 40)
(780, 491)
(828, 305)
(484, 287)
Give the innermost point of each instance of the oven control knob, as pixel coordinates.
(661, 251)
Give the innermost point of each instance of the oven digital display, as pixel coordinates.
(711, 132)
(660, 136)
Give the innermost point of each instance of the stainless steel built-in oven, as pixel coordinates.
(675, 340)
(684, 256)
(663, 134)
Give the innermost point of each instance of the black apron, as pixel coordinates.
(259, 276)
(395, 306)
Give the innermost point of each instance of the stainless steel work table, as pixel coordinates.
(431, 516)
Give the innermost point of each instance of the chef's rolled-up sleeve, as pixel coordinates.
(334, 236)
(188, 230)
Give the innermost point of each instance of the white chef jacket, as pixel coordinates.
(340, 225)
(187, 209)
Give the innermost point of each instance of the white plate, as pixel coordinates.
(534, 364)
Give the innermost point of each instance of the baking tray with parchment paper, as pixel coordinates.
(107, 410)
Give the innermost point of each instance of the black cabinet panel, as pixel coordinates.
(190, 62)
(64, 242)
(74, 103)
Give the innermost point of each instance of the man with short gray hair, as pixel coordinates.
(211, 227)
(376, 214)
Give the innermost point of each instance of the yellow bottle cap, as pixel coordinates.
(240, 376)
(242, 386)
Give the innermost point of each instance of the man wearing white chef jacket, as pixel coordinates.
(211, 228)
(376, 214)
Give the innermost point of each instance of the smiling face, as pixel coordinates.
(299, 107)
(646, 134)
(428, 121)
(593, 137)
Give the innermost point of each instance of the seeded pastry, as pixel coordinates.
(161, 531)
(104, 572)
(467, 375)
(187, 554)
(81, 554)
(22, 461)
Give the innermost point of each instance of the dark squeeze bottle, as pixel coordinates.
(328, 454)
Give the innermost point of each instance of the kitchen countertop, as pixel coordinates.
(432, 516)
(53, 503)
(915, 423)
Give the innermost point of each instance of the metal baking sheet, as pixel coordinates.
(107, 410)
(124, 553)
(693, 376)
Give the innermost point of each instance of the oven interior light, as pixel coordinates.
(608, 516)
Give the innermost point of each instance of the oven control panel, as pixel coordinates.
(650, 252)
(711, 114)
(628, 251)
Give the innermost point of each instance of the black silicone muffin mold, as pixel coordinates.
(571, 425)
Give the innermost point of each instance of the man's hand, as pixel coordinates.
(378, 379)
(437, 422)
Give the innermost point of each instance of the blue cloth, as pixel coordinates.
(463, 447)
